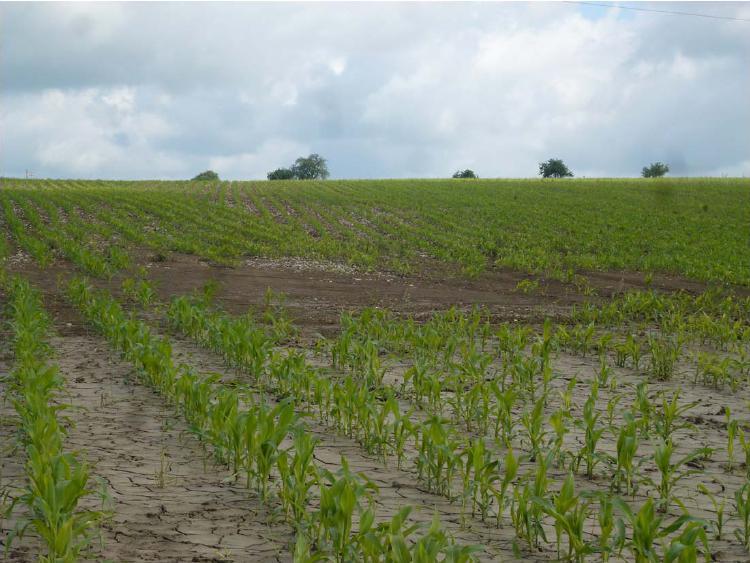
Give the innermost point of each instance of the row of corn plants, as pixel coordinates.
(70, 238)
(490, 223)
(57, 480)
(660, 418)
(443, 457)
(250, 439)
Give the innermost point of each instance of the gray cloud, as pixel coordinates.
(382, 90)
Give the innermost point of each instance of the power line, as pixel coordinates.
(670, 12)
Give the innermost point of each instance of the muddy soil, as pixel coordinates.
(396, 487)
(168, 506)
(169, 501)
(12, 472)
(318, 292)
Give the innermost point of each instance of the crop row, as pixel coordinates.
(248, 435)
(689, 227)
(362, 406)
(56, 479)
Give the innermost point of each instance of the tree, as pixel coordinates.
(311, 168)
(554, 168)
(465, 174)
(281, 174)
(208, 175)
(655, 170)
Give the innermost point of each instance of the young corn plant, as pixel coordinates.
(733, 426)
(298, 476)
(526, 511)
(500, 492)
(684, 547)
(633, 348)
(566, 397)
(666, 419)
(664, 352)
(606, 520)
(570, 514)
(342, 494)
(533, 422)
(439, 456)
(647, 532)
(437, 545)
(627, 448)
(559, 423)
(261, 436)
(592, 434)
(672, 472)
(742, 509)
(504, 420)
(479, 476)
(403, 431)
(719, 506)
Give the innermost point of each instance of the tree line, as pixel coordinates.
(315, 167)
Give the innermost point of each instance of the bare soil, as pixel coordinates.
(171, 503)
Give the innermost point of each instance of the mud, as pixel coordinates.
(169, 502)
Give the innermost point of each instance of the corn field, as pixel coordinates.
(611, 426)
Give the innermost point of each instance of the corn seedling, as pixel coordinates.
(480, 474)
(627, 447)
(569, 514)
(592, 434)
(664, 352)
(298, 476)
(647, 530)
(510, 470)
(439, 455)
(666, 419)
(742, 509)
(732, 429)
(341, 495)
(533, 421)
(504, 419)
(719, 506)
(671, 472)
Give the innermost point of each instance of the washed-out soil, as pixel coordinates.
(316, 293)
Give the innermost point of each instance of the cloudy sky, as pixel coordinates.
(380, 90)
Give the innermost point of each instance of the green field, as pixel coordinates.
(449, 415)
(694, 228)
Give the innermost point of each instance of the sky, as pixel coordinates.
(381, 90)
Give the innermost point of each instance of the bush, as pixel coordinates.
(208, 175)
(313, 167)
(281, 174)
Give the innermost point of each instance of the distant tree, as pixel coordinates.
(655, 170)
(311, 168)
(281, 174)
(207, 175)
(465, 174)
(554, 168)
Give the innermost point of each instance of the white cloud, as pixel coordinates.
(272, 154)
(381, 90)
(122, 99)
(89, 132)
(337, 66)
